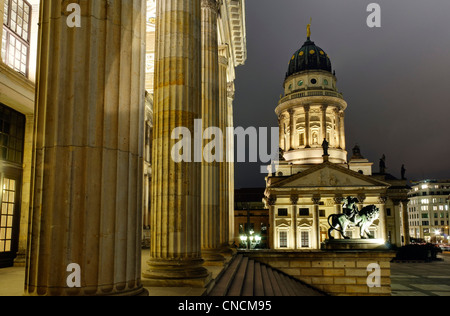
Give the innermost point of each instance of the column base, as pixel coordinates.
(176, 273)
(212, 257)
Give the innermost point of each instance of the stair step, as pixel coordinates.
(273, 281)
(259, 287)
(267, 285)
(238, 282)
(221, 288)
(249, 281)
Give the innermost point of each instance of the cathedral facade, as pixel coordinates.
(314, 176)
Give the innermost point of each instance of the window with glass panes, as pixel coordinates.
(12, 135)
(16, 35)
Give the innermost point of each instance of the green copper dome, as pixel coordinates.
(309, 57)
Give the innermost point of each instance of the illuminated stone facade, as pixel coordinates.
(308, 186)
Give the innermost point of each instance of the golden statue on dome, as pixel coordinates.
(308, 29)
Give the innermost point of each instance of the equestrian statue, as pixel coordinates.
(351, 216)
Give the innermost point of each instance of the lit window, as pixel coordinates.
(283, 239)
(16, 35)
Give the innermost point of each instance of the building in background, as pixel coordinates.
(315, 175)
(251, 219)
(18, 33)
(428, 210)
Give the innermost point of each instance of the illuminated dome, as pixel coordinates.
(309, 57)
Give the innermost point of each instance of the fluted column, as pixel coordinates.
(224, 194)
(382, 218)
(88, 151)
(292, 128)
(175, 254)
(406, 234)
(342, 142)
(294, 201)
(230, 166)
(324, 122)
(338, 199)
(336, 129)
(270, 204)
(212, 116)
(316, 221)
(307, 127)
(2, 8)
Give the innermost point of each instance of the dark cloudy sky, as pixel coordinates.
(396, 79)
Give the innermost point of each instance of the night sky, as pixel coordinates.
(395, 79)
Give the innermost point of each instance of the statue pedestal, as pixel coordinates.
(354, 244)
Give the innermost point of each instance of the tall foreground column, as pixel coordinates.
(175, 254)
(212, 194)
(88, 151)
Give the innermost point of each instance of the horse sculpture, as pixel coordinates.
(362, 219)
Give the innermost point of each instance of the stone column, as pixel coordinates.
(383, 219)
(270, 203)
(316, 221)
(291, 128)
(2, 9)
(294, 201)
(324, 122)
(224, 181)
(175, 254)
(337, 128)
(212, 117)
(307, 127)
(87, 178)
(230, 163)
(342, 142)
(406, 234)
(338, 199)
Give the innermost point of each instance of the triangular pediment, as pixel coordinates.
(329, 175)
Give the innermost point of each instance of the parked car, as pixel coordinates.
(444, 247)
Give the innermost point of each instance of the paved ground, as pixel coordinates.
(422, 279)
(408, 279)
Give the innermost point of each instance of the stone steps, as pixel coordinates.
(247, 277)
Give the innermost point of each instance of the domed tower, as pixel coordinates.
(312, 109)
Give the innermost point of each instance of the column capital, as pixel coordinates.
(316, 199)
(382, 199)
(294, 199)
(338, 199)
(270, 200)
(211, 4)
(361, 198)
(307, 108)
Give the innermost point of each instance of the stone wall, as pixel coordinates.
(338, 273)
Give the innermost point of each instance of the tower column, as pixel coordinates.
(337, 129)
(307, 127)
(342, 130)
(175, 254)
(292, 128)
(212, 117)
(86, 201)
(324, 122)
